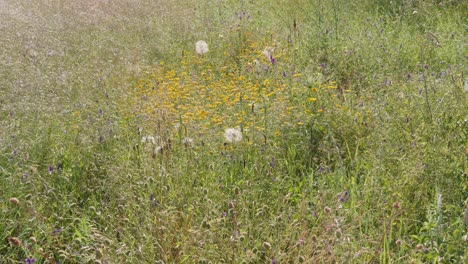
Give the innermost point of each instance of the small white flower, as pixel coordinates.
(188, 142)
(201, 47)
(158, 149)
(233, 135)
(268, 52)
(149, 139)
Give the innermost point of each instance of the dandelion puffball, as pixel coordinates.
(201, 47)
(233, 135)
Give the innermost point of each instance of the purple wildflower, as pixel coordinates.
(343, 197)
(315, 214)
(57, 231)
(272, 162)
(30, 260)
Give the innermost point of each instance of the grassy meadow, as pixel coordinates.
(310, 131)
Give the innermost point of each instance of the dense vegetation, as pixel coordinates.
(310, 131)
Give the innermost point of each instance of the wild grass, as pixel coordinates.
(352, 116)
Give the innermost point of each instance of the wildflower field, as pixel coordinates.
(233, 131)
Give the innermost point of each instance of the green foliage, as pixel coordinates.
(353, 150)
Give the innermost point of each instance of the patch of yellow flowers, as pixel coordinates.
(260, 97)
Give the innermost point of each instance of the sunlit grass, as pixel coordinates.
(299, 132)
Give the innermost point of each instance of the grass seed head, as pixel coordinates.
(14, 201)
(14, 241)
(420, 247)
(398, 242)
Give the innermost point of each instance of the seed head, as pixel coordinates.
(233, 135)
(14, 201)
(201, 47)
(14, 241)
(419, 247)
(398, 242)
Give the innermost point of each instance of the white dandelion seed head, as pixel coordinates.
(201, 47)
(233, 135)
